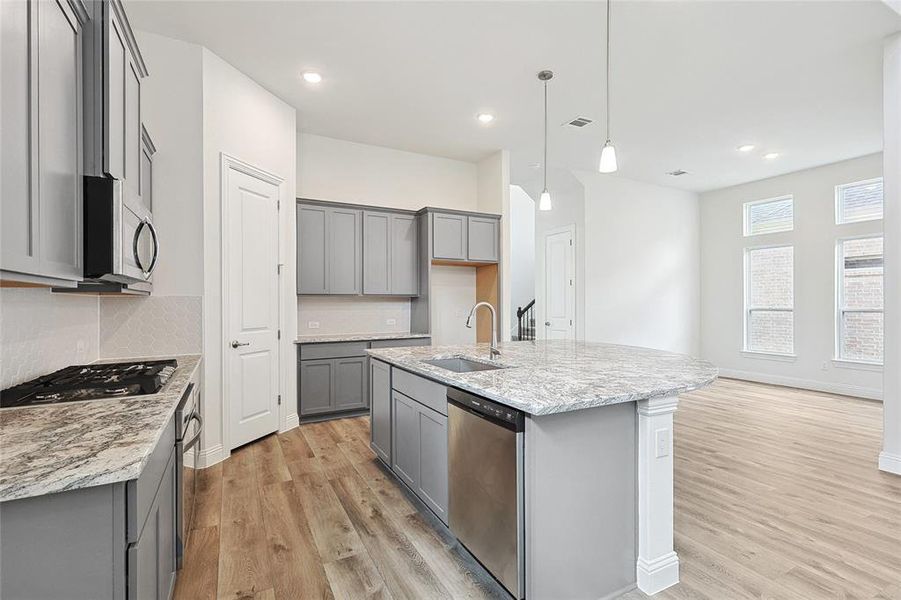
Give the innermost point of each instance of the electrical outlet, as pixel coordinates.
(312, 324)
(662, 440)
(391, 322)
(825, 366)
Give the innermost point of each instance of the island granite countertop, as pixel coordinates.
(357, 337)
(547, 377)
(48, 449)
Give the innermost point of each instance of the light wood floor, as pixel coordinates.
(777, 496)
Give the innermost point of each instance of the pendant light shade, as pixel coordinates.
(608, 158)
(544, 201)
(608, 152)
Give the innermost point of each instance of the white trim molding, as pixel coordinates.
(843, 389)
(890, 463)
(657, 567)
(210, 456)
(291, 421)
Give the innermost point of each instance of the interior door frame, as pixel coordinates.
(228, 162)
(571, 229)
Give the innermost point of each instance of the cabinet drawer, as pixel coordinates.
(424, 391)
(140, 492)
(401, 343)
(333, 350)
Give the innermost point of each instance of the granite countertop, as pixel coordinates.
(55, 448)
(546, 377)
(358, 337)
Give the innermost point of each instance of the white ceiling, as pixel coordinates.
(691, 80)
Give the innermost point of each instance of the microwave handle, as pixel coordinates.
(156, 247)
(146, 272)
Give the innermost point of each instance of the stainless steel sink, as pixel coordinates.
(462, 365)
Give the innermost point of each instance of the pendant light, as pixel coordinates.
(608, 152)
(544, 201)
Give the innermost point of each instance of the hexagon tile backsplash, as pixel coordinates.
(150, 326)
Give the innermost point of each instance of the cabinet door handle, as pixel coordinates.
(236, 344)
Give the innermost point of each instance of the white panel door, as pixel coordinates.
(252, 319)
(559, 285)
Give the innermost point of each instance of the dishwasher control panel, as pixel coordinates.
(488, 408)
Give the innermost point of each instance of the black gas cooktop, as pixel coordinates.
(91, 382)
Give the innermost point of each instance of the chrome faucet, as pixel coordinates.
(494, 351)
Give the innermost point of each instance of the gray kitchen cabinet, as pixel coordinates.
(151, 560)
(405, 439)
(345, 256)
(449, 236)
(377, 240)
(419, 452)
(404, 255)
(351, 383)
(147, 151)
(42, 144)
(316, 386)
(482, 239)
(390, 254)
(312, 249)
(329, 248)
(380, 409)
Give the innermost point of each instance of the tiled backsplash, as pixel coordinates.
(336, 314)
(150, 326)
(41, 332)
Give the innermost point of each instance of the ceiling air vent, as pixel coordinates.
(677, 173)
(580, 122)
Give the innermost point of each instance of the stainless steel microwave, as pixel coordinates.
(121, 246)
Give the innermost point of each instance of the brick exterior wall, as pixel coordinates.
(771, 286)
(862, 288)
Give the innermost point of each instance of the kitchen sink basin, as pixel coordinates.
(462, 365)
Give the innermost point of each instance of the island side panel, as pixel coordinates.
(581, 503)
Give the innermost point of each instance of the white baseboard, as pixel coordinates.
(211, 456)
(658, 574)
(291, 421)
(805, 384)
(890, 463)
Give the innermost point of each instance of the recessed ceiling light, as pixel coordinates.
(485, 118)
(771, 155)
(746, 147)
(312, 77)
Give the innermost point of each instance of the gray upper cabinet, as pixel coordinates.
(147, 152)
(390, 254)
(376, 253)
(380, 409)
(467, 238)
(448, 236)
(404, 255)
(329, 248)
(482, 239)
(42, 83)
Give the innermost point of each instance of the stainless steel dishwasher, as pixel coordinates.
(485, 484)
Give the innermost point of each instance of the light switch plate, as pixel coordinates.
(312, 324)
(662, 442)
(391, 322)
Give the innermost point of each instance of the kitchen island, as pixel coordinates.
(593, 460)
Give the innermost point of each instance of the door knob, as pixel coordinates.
(236, 343)
(547, 323)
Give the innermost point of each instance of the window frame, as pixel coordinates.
(838, 200)
(839, 298)
(747, 309)
(746, 213)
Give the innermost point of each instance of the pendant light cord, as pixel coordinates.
(545, 134)
(608, 70)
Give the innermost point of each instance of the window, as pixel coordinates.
(859, 300)
(769, 300)
(769, 216)
(860, 201)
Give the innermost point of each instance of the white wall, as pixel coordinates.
(641, 264)
(341, 171)
(493, 185)
(242, 119)
(453, 294)
(349, 314)
(890, 458)
(814, 238)
(522, 251)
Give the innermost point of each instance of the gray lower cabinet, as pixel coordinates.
(107, 542)
(469, 238)
(380, 409)
(42, 144)
(390, 254)
(419, 456)
(333, 385)
(330, 250)
(351, 383)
